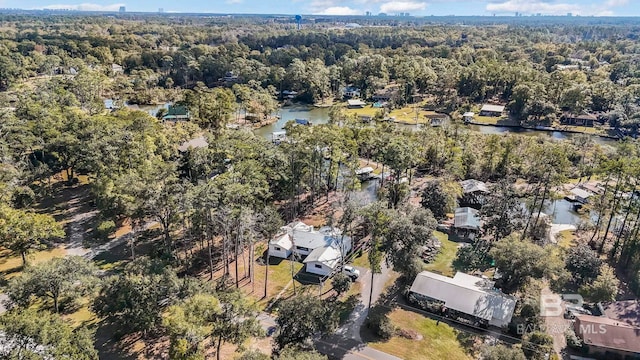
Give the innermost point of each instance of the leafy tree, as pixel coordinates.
(502, 352)
(341, 283)
(604, 287)
(292, 353)
(583, 263)
(40, 335)
(135, 300)
(302, 317)
(23, 231)
(519, 260)
(502, 213)
(537, 345)
(187, 325)
(440, 197)
(57, 279)
(236, 321)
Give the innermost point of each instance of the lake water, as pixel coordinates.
(321, 116)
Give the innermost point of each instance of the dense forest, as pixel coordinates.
(118, 241)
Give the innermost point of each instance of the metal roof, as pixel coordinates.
(492, 108)
(472, 185)
(466, 218)
(608, 333)
(581, 193)
(468, 294)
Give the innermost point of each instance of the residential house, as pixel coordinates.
(366, 118)
(578, 119)
(386, 94)
(468, 116)
(323, 248)
(365, 173)
(437, 119)
(466, 222)
(491, 110)
(464, 297)
(473, 193)
(356, 104)
(351, 92)
(230, 78)
(605, 338)
(177, 113)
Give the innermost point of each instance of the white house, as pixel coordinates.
(323, 261)
(580, 195)
(303, 240)
(472, 296)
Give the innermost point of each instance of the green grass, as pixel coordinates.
(566, 239)
(362, 261)
(11, 265)
(443, 262)
(440, 340)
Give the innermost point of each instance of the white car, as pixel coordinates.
(352, 272)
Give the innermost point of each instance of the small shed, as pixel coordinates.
(468, 116)
(491, 110)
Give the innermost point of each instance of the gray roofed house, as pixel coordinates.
(491, 110)
(466, 218)
(467, 294)
(473, 186)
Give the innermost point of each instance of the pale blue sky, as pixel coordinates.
(351, 7)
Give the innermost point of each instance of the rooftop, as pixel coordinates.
(468, 294)
(581, 193)
(199, 142)
(627, 311)
(607, 333)
(466, 218)
(472, 185)
(492, 108)
(356, 102)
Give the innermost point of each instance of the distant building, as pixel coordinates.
(351, 92)
(177, 113)
(386, 94)
(468, 117)
(578, 119)
(356, 104)
(122, 9)
(368, 13)
(161, 10)
(491, 110)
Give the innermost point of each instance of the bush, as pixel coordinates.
(573, 341)
(380, 324)
(105, 228)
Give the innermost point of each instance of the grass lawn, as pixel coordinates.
(439, 342)
(362, 261)
(405, 115)
(11, 266)
(566, 239)
(279, 277)
(584, 129)
(443, 262)
(82, 316)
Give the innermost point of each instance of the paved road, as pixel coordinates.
(346, 342)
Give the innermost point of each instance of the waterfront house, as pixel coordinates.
(468, 116)
(583, 119)
(177, 113)
(491, 110)
(350, 92)
(356, 104)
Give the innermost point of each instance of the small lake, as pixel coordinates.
(321, 116)
(561, 212)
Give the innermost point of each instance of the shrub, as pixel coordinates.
(380, 324)
(573, 341)
(105, 228)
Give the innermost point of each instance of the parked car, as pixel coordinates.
(352, 272)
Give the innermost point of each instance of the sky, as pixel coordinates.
(350, 7)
